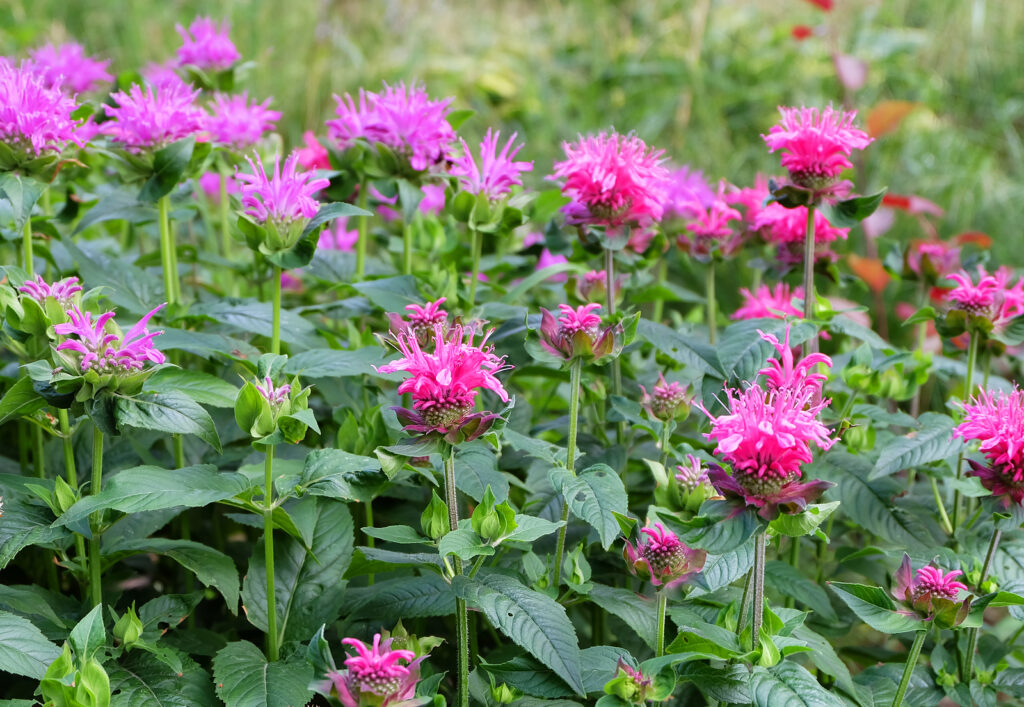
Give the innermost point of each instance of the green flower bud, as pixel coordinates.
(128, 628)
(434, 521)
(493, 522)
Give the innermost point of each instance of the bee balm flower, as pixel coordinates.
(667, 400)
(497, 172)
(153, 117)
(931, 593)
(661, 557)
(577, 333)
(376, 675)
(206, 46)
(105, 351)
(283, 202)
(237, 123)
(35, 118)
(787, 230)
(997, 421)
(67, 66)
(422, 321)
(62, 291)
(769, 302)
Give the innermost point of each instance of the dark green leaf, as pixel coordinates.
(23, 648)
(476, 468)
(639, 613)
(169, 165)
(933, 442)
(875, 607)
(21, 193)
(337, 474)
(405, 597)
(88, 635)
(788, 580)
(20, 399)
(332, 363)
(173, 412)
(201, 387)
(140, 679)
(593, 495)
(849, 213)
(788, 685)
(244, 678)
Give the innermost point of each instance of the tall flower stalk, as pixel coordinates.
(95, 566)
(575, 370)
(268, 552)
(908, 667)
(461, 614)
(363, 227)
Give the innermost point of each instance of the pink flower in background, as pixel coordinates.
(62, 291)
(662, 558)
(687, 193)
(787, 228)
(709, 230)
(67, 66)
(769, 302)
(751, 200)
(612, 180)
(423, 321)
(290, 282)
(206, 45)
(591, 286)
(933, 258)
(377, 674)
(404, 119)
(496, 173)
(816, 145)
(34, 117)
(693, 475)
(284, 197)
(209, 182)
(920, 590)
(996, 419)
(547, 259)
(338, 236)
(164, 75)
(433, 199)
(106, 352)
(313, 155)
(577, 333)
(276, 396)
(980, 299)
(237, 123)
(666, 400)
(153, 117)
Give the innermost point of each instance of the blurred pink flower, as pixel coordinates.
(709, 230)
(164, 75)
(284, 197)
(667, 400)
(67, 66)
(548, 259)
(290, 282)
(206, 46)
(237, 123)
(338, 236)
(34, 117)
(209, 182)
(497, 171)
(103, 351)
(996, 419)
(933, 258)
(313, 155)
(769, 302)
(662, 558)
(591, 286)
(153, 117)
(993, 297)
(687, 193)
(816, 145)
(433, 199)
(612, 180)
(751, 200)
(787, 228)
(63, 291)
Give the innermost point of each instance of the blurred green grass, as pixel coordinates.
(700, 79)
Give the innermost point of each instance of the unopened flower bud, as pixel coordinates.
(434, 520)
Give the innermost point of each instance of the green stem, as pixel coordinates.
(368, 507)
(794, 562)
(363, 235)
(225, 214)
(659, 304)
(407, 249)
(908, 668)
(70, 471)
(741, 621)
(95, 568)
(477, 247)
(575, 370)
(662, 605)
(275, 331)
(712, 304)
(758, 592)
(974, 633)
(38, 461)
(609, 281)
(26, 244)
(167, 259)
(268, 552)
(461, 615)
(972, 355)
(666, 441)
(178, 445)
(943, 516)
(810, 296)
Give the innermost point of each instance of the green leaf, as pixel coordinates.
(717, 528)
(405, 597)
(169, 165)
(639, 613)
(593, 495)
(1013, 333)
(788, 684)
(309, 588)
(685, 349)
(329, 212)
(21, 193)
(728, 684)
(338, 474)
(126, 285)
(933, 442)
(924, 314)
(244, 678)
(20, 399)
(849, 213)
(152, 488)
(743, 352)
(201, 387)
(464, 544)
(390, 293)
(722, 570)
(23, 524)
(333, 363)
(530, 528)
(88, 636)
(24, 650)
(705, 639)
(875, 607)
(211, 567)
(249, 316)
(476, 468)
(140, 679)
(532, 620)
(527, 674)
(172, 412)
(788, 580)
(118, 206)
(398, 534)
(797, 525)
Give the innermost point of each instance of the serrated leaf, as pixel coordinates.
(23, 525)
(248, 316)
(527, 674)
(169, 165)
(530, 528)
(21, 193)
(932, 442)
(245, 679)
(140, 679)
(398, 534)
(788, 685)
(685, 349)
(20, 399)
(334, 363)
(722, 570)
(796, 525)
(464, 544)
(788, 580)
(743, 352)
(172, 412)
(201, 387)
(639, 613)
(476, 468)
(532, 620)
(717, 528)
(875, 607)
(88, 635)
(850, 212)
(593, 496)
(728, 684)
(405, 597)
(24, 650)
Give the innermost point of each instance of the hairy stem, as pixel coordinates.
(974, 633)
(662, 605)
(26, 245)
(461, 615)
(758, 592)
(972, 355)
(474, 278)
(95, 568)
(570, 462)
(268, 553)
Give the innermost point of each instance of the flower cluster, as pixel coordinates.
(153, 117)
(35, 117)
(497, 172)
(444, 383)
(63, 291)
(709, 230)
(992, 298)
(667, 401)
(787, 229)
(283, 198)
(376, 674)
(421, 321)
(686, 194)
(108, 352)
(661, 557)
(67, 66)
(402, 118)
(931, 593)
(206, 46)
(996, 419)
(769, 302)
(612, 180)
(577, 334)
(237, 123)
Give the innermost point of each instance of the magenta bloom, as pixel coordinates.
(785, 373)
(787, 229)
(661, 557)
(283, 198)
(377, 674)
(444, 384)
(206, 46)
(769, 302)
(237, 123)
(103, 351)
(338, 236)
(404, 119)
(667, 400)
(693, 475)
(997, 421)
(62, 291)
(275, 396)
(34, 116)
(992, 297)
(591, 286)
(164, 75)
(433, 199)
(577, 334)
(423, 322)
(930, 591)
(497, 172)
(153, 117)
(209, 183)
(313, 155)
(816, 145)
(933, 258)
(687, 194)
(613, 180)
(67, 66)
(709, 230)
(751, 200)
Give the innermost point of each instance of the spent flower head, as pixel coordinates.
(237, 123)
(206, 45)
(996, 419)
(67, 66)
(662, 558)
(496, 173)
(151, 117)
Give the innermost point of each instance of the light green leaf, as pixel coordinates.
(173, 412)
(140, 679)
(875, 607)
(201, 387)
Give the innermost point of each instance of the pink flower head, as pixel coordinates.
(751, 200)
(237, 123)
(283, 198)
(668, 400)
(497, 172)
(444, 384)
(612, 180)
(547, 259)
(433, 199)
(35, 117)
(313, 155)
(787, 229)
(422, 321)
(592, 286)
(979, 299)
(687, 194)
(62, 291)
(163, 76)
(816, 145)
(709, 230)
(276, 396)
(153, 117)
(693, 475)
(933, 258)
(996, 419)
(338, 236)
(206, 46)
(930, 590)
(290, 282)
(403, 119)
(662, 557)
(376, 674)
(67, 66)
(770, 302)
(783, 373)
(210, 182)
(577, 334)
(103, 351)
